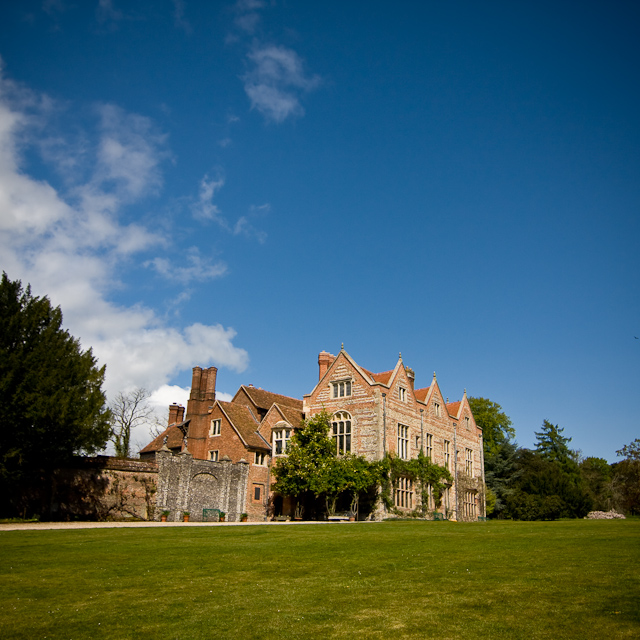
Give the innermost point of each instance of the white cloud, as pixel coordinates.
(247, 16)
(69, 246)
(197, 267)
(276, 82)
(204, 209)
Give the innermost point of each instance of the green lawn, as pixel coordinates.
(509, 580)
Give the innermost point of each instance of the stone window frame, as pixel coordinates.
(260, 487)
(341, 388)
(428, 447)
(468, 462)
(215, 428)
(467, 422)
(261, 458)
(214, 455)
(446, 454)
(403, 493)
(342, 431)
(280, 436)
(469, 508)
(437, 410)
(403, 441)
(402, 394)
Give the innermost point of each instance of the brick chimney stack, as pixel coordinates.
(176, 413)
(210, 386)
(196, 380)
(324, 362)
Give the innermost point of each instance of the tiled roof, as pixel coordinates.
(292, 416)
(174, 438)
(244, 422)
(383, 377)
(421, 394)
(453, 407)
(264, 399)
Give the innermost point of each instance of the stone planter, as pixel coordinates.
(163, 518)
(185, 517)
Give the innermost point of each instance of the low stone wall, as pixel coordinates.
(104, 488)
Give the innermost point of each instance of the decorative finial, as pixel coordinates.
(465, 392)
(342, 346)
(400, 355)
(434, 375)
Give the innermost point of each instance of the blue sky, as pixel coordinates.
(244, 185)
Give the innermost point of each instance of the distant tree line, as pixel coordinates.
(551, 481)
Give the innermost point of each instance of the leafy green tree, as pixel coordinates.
(496, 425)
(597, 476)
(499, 452)
(626, 478)
(630, 451)
(313, 470)
(50, 391)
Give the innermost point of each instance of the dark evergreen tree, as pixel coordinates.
(50, 392)
(552, 445)
(501, 471)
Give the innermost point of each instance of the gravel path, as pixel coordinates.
(40, 526)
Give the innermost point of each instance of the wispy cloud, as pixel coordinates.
(192, 267)
(106, 12)
(204, 208)
(276, 81)
(179, 16)
(71, 245)
(247, 16)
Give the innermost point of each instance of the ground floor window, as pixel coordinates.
(404, 493)
(257, 492)
(469, 505)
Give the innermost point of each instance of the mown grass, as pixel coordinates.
(576, 579)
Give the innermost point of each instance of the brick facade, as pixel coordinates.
(384, 412)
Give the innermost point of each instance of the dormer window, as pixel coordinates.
(341, 389)
(214, 430)
(402, 394)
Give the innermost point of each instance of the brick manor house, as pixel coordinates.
(372, 414)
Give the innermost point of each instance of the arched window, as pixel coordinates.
(341, 431)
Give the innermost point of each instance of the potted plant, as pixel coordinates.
(163, 516)
(185, 516)
(222, 515)
(243, 517)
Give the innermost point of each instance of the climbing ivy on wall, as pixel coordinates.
(423, 472)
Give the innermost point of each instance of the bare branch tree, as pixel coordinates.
(129, 410)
